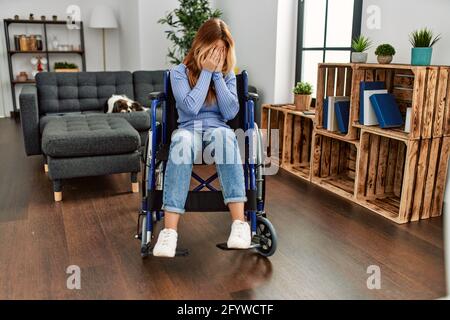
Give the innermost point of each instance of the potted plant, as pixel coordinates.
(360, 45)
(422, 41)
(303, 98)
(385, 53)
(184, 23)
(65, 67)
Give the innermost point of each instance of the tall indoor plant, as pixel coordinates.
(422, 41)
(184, 23)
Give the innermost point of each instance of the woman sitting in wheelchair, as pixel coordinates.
(204, 87)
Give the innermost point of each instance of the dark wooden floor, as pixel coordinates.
(325, 244)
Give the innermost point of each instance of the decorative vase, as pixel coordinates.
(55, 43)
(421, 56)
(302, 102)
(384, 59)
(359, 57)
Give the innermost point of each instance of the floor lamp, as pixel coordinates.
(103, 17)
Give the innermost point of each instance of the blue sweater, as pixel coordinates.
(191, 102)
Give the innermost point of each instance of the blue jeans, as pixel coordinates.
(217, 146)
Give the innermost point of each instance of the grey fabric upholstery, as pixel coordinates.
(139, 120)
(29, 116)
(80, 91)
(91, 135)
(65, 168)
(145, 82)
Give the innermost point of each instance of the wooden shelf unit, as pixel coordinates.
(402, 180)
(295, 131)
(333, 164)
(48, 54)
(334, 80)
(398, 175)
(425, 90)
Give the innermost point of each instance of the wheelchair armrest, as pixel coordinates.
(156, 95)
(253, 96)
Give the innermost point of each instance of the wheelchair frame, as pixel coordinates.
(264, 238)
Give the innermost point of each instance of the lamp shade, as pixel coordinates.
(103, 17)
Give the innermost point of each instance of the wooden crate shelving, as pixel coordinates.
(426, 90)
(402, 180)
(334, 164)
(334, 80)
(295, 130)
(398, 175)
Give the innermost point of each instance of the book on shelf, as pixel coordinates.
(367, 114)
(325, 114)
(386, 110)
(329, 120)
(342, 110)
(332, 123)
(408, 120)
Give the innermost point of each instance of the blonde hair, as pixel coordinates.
(207, 35)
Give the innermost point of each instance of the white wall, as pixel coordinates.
(253, 24)
(285, 51)
(154, 45)
(130, 53)
(400, 17)
(93, 37)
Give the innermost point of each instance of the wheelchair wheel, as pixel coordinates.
(144, 242)
(267, 237)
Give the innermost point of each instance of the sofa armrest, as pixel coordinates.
(29, 117)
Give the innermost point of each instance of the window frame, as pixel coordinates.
(356, 32)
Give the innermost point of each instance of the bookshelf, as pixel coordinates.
(50, 55)
(396, 174)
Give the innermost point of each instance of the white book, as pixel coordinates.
(408, 120)
(332, 123)
(370, 118)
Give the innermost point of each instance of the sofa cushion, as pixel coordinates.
(145, 82)
(91, 135)
(80, 91)
(139, 120)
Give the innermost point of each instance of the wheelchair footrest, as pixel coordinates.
(224, 246)
(180, 252)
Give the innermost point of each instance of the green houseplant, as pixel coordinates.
(184, 23)
(65, 67)
(385, 53)
(302, 98)
(422, 41)
(360, 45)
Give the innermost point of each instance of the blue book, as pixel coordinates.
(325, 114)
(342, 111)
(366, 113)
(387, 111)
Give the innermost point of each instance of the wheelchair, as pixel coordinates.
(155, 157)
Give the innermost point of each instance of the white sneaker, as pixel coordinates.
(240, 236)
(167, 244)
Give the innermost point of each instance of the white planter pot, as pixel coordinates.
(359, 57)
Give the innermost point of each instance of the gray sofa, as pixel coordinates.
(63, 119)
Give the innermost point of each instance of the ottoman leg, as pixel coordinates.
(57, 190)
(134, 182)
(45, 164)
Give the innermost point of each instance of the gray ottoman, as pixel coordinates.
(80, 146)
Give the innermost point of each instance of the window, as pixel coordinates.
(325, 32)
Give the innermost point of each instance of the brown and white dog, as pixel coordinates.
(121, 103)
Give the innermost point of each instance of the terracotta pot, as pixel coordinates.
(302, 102)
(384, 59)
